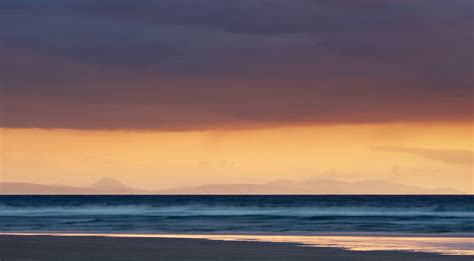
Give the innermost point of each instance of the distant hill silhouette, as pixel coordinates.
(311, 187)
(321, 186)
(108, 184)
(105, 186)
(17, 188)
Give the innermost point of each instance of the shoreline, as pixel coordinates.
(72, 248)
(243, 233)
(442, 245)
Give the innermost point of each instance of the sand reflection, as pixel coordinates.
(440, 245)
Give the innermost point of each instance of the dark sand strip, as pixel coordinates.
(52, 248)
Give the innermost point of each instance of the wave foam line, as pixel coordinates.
(202, 210)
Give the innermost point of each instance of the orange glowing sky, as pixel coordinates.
(156, 160)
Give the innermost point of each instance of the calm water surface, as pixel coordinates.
(436, 215)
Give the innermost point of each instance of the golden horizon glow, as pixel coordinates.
(157, 160)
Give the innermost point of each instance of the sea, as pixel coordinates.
(285, 214)
(435, 224)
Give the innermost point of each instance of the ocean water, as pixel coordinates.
(435, 215)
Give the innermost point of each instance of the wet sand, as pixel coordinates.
(51, 248)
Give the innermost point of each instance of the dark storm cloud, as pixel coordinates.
(182, 64)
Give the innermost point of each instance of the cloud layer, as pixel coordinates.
(465, 157)
(181, 65)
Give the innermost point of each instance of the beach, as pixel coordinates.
(90, 248)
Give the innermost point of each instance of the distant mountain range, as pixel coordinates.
(105, 186)
(320, 186)
(108, 186)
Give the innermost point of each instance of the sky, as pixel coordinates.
(163, 93)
